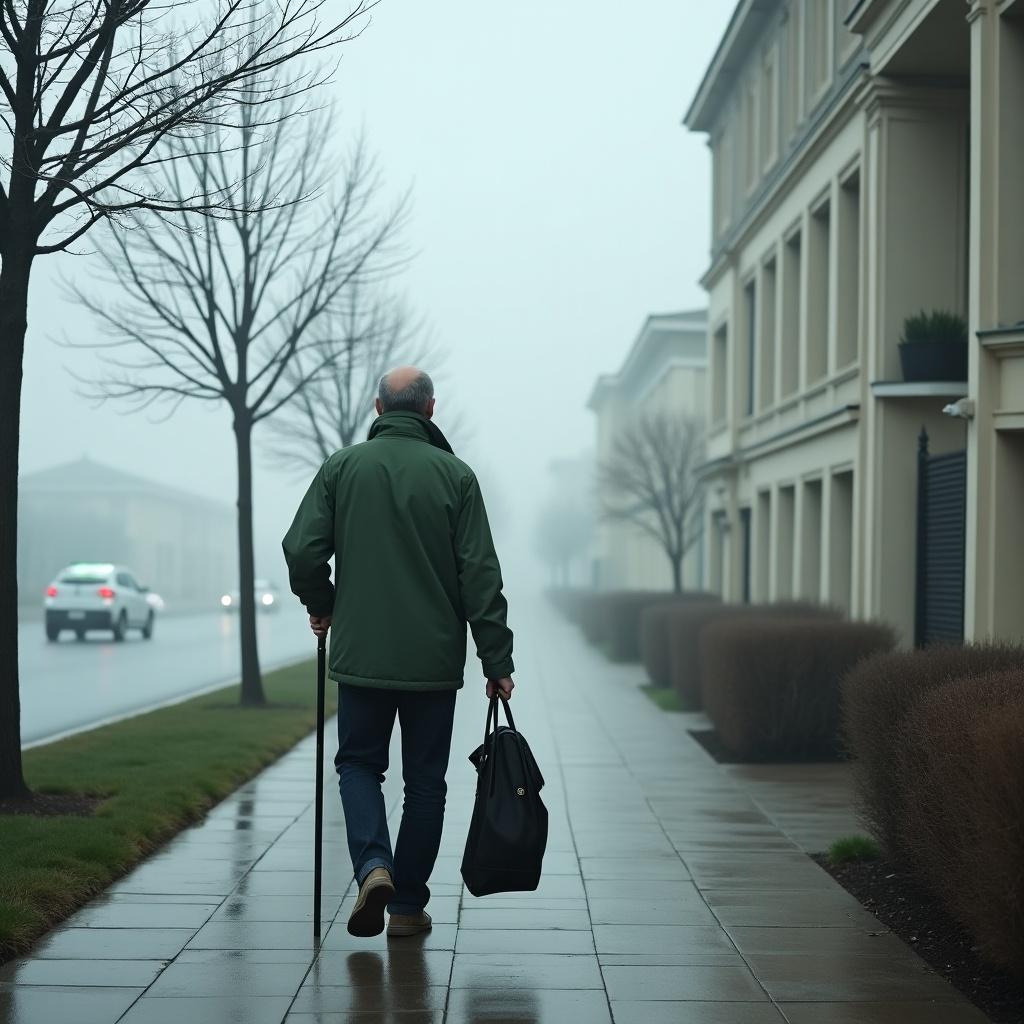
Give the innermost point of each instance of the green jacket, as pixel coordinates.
(414, 561)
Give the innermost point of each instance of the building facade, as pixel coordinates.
(180, 545)
(664, 371)
(866, 164)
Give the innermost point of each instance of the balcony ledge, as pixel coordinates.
(918, 389)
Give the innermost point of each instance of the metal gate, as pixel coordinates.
(941, 540)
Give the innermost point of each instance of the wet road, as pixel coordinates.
(69, 684)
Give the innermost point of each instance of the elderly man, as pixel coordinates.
(414, 563)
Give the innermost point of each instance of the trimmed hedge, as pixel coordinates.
(686, 626)
(962, 827)
(772, 684)
(611, 619)
(877, 697)
(654, 638)
(654, 630)
(569, 601)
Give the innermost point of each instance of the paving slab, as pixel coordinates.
(675, 891)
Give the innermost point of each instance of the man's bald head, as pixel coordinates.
(406, 389)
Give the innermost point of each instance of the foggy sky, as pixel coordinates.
(557, 200)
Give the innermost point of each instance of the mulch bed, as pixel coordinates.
(46, 805)
(712, 743)
(919, 920)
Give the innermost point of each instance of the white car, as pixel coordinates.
(267, 597)
(97, 595)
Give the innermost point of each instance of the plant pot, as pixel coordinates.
(933, 360)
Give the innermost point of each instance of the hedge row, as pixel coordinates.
(685, 632)
(611, 619)
(938, 741)
(772, 684)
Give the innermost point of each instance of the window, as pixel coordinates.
(818, 291)
(792, 270)
(762, 546)
(750, 326)
(745, 538)
(848, 272)
(723, 171)
(817, 46)
(784, 544)
(810, 541)
(769, 130)
(840, 545)
(719, 553)
(794, 68)
(719, 371)
(750, 153)
(769, 284)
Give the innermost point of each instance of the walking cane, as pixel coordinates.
(318, 817)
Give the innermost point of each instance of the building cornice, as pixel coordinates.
(656, 344)
(746, 25)
(825, 126)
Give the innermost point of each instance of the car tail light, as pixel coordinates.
(51, 591)
(106, 593)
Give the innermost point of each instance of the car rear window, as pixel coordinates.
(77, 577)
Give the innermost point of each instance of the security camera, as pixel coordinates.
(962, 409)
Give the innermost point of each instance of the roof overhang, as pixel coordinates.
(745, 27)
(660, 340)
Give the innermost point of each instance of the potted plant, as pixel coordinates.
(934, 347)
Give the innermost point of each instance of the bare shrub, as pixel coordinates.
(685, 628)
(877, 696)
(611, 618)
(962, 826)
(772, 684)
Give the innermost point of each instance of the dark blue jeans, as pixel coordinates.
(366, 718)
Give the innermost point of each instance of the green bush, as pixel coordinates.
(772, 684)
(686, 626)
(938, 325)
(851, 849)
(961, 778)
(877, 697)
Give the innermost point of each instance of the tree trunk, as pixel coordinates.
(677, 573)
(14, 277)
(252, 682)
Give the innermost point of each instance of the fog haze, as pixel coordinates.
(557, 201)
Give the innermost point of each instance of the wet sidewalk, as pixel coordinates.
(676, 891)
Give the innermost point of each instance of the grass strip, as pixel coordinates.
(665, 697)
(157, 773)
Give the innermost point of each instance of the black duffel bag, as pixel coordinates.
(509, 828)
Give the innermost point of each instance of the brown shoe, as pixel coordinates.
(376, 892)
(400, 925)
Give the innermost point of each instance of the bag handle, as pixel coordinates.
(493, 707)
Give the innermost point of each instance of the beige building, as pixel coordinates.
(181, 545)
(867, 165)
(664, 371)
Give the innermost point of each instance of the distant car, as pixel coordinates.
(267, 597)
(97, 595)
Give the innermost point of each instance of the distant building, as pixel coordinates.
(180, 545)
(665, 370)
(867, 163)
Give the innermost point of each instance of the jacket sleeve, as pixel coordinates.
(309, 544)
(480, 584)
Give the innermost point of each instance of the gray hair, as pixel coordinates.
(414, 397)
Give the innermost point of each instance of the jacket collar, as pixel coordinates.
(409, 424)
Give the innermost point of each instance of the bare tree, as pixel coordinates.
(562, 536)
(90, 92)
(230, 312)
(372, 332)
(649, 480)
